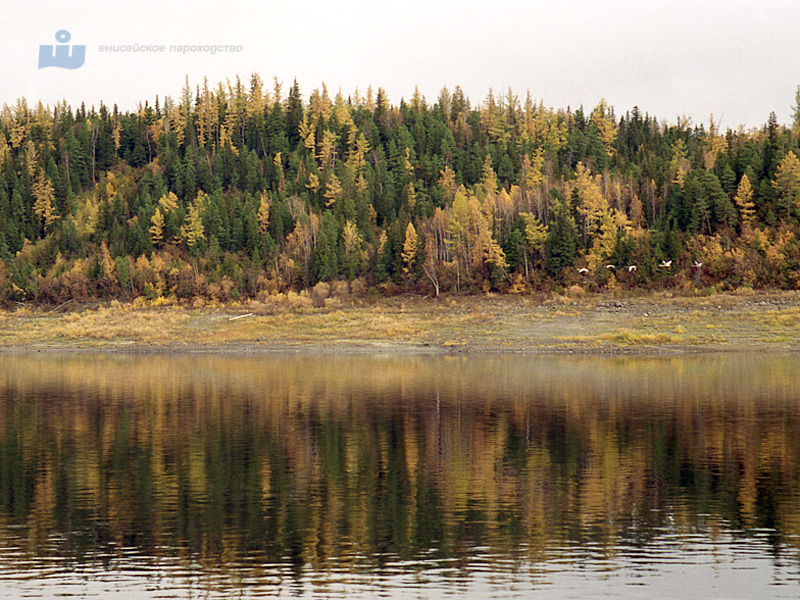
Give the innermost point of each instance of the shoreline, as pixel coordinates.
(600, 324)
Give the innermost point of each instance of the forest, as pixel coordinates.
(243, 191)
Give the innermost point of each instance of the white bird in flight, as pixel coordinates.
(666, 264)
(583, 270)
(631, 268)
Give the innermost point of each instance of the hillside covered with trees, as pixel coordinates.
(241, 190)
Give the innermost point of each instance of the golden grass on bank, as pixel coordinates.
(117, 323)
(789, 317)
(478, 321)
(627, 337)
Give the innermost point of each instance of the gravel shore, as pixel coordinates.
(592, 324)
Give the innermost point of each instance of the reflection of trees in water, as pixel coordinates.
(311, 459)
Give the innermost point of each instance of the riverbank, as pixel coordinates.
(602, 324)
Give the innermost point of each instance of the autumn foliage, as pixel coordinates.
(239, 190)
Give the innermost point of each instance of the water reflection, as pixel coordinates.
(330, 476)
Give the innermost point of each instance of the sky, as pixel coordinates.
(736, 59)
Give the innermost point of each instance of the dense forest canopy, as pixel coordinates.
(241, 190)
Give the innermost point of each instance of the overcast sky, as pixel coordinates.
(737, 59)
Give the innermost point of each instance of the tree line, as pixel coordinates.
(240, 190)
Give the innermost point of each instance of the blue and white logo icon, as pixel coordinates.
(63, 56)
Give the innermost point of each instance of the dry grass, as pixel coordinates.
(627, 337)
(122, 323)
(477, 322)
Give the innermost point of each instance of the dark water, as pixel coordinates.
(407, 477)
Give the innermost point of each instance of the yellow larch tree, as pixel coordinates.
(362, 148)
(354, 254)
(531, 177)
(154, 131)
(168, 203)
(177, 121)
(263, 213)
(44, 198)
(535, 231)
(535, 236)
(192, 229)
(504, 210)
(86, 216)
(407, 166)
(556, 131)
(447, 181)
(341, 112)
(458, 222)
(411, 195)
(42, 127)
(744, 202)
(679, 165)
(604, 242)
(636, 212)
(31, 158)
(206, 115)
(787, 182)
(409, 248)
(277, 160)
(359, 147)
(492, 119)
(361, 186)
(369, 99)
(18, 133)
(256, 98)
(116, 132)
(483, 249)
(603, 119)
(307, 133)
(714, 144)
(333, 189)
(313, 182)
(591, 203)
(5, 151)
(107, 263)
(320, 106)
(327, 150)
(157, 227)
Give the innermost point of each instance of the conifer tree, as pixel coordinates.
(157, 227)
(744, 202)
(192, 229)
(409, 249)
(562, 240)
(44, 199)
(787, 182)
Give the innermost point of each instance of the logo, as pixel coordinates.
(62, 56)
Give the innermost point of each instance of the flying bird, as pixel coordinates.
(631, 268)
(666, 264)
(610, 267)
(697, 264)
(583, 270)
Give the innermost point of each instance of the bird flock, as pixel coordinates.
(665, 264)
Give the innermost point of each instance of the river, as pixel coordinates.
(324, 476)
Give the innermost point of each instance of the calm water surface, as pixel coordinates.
(400, 477)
